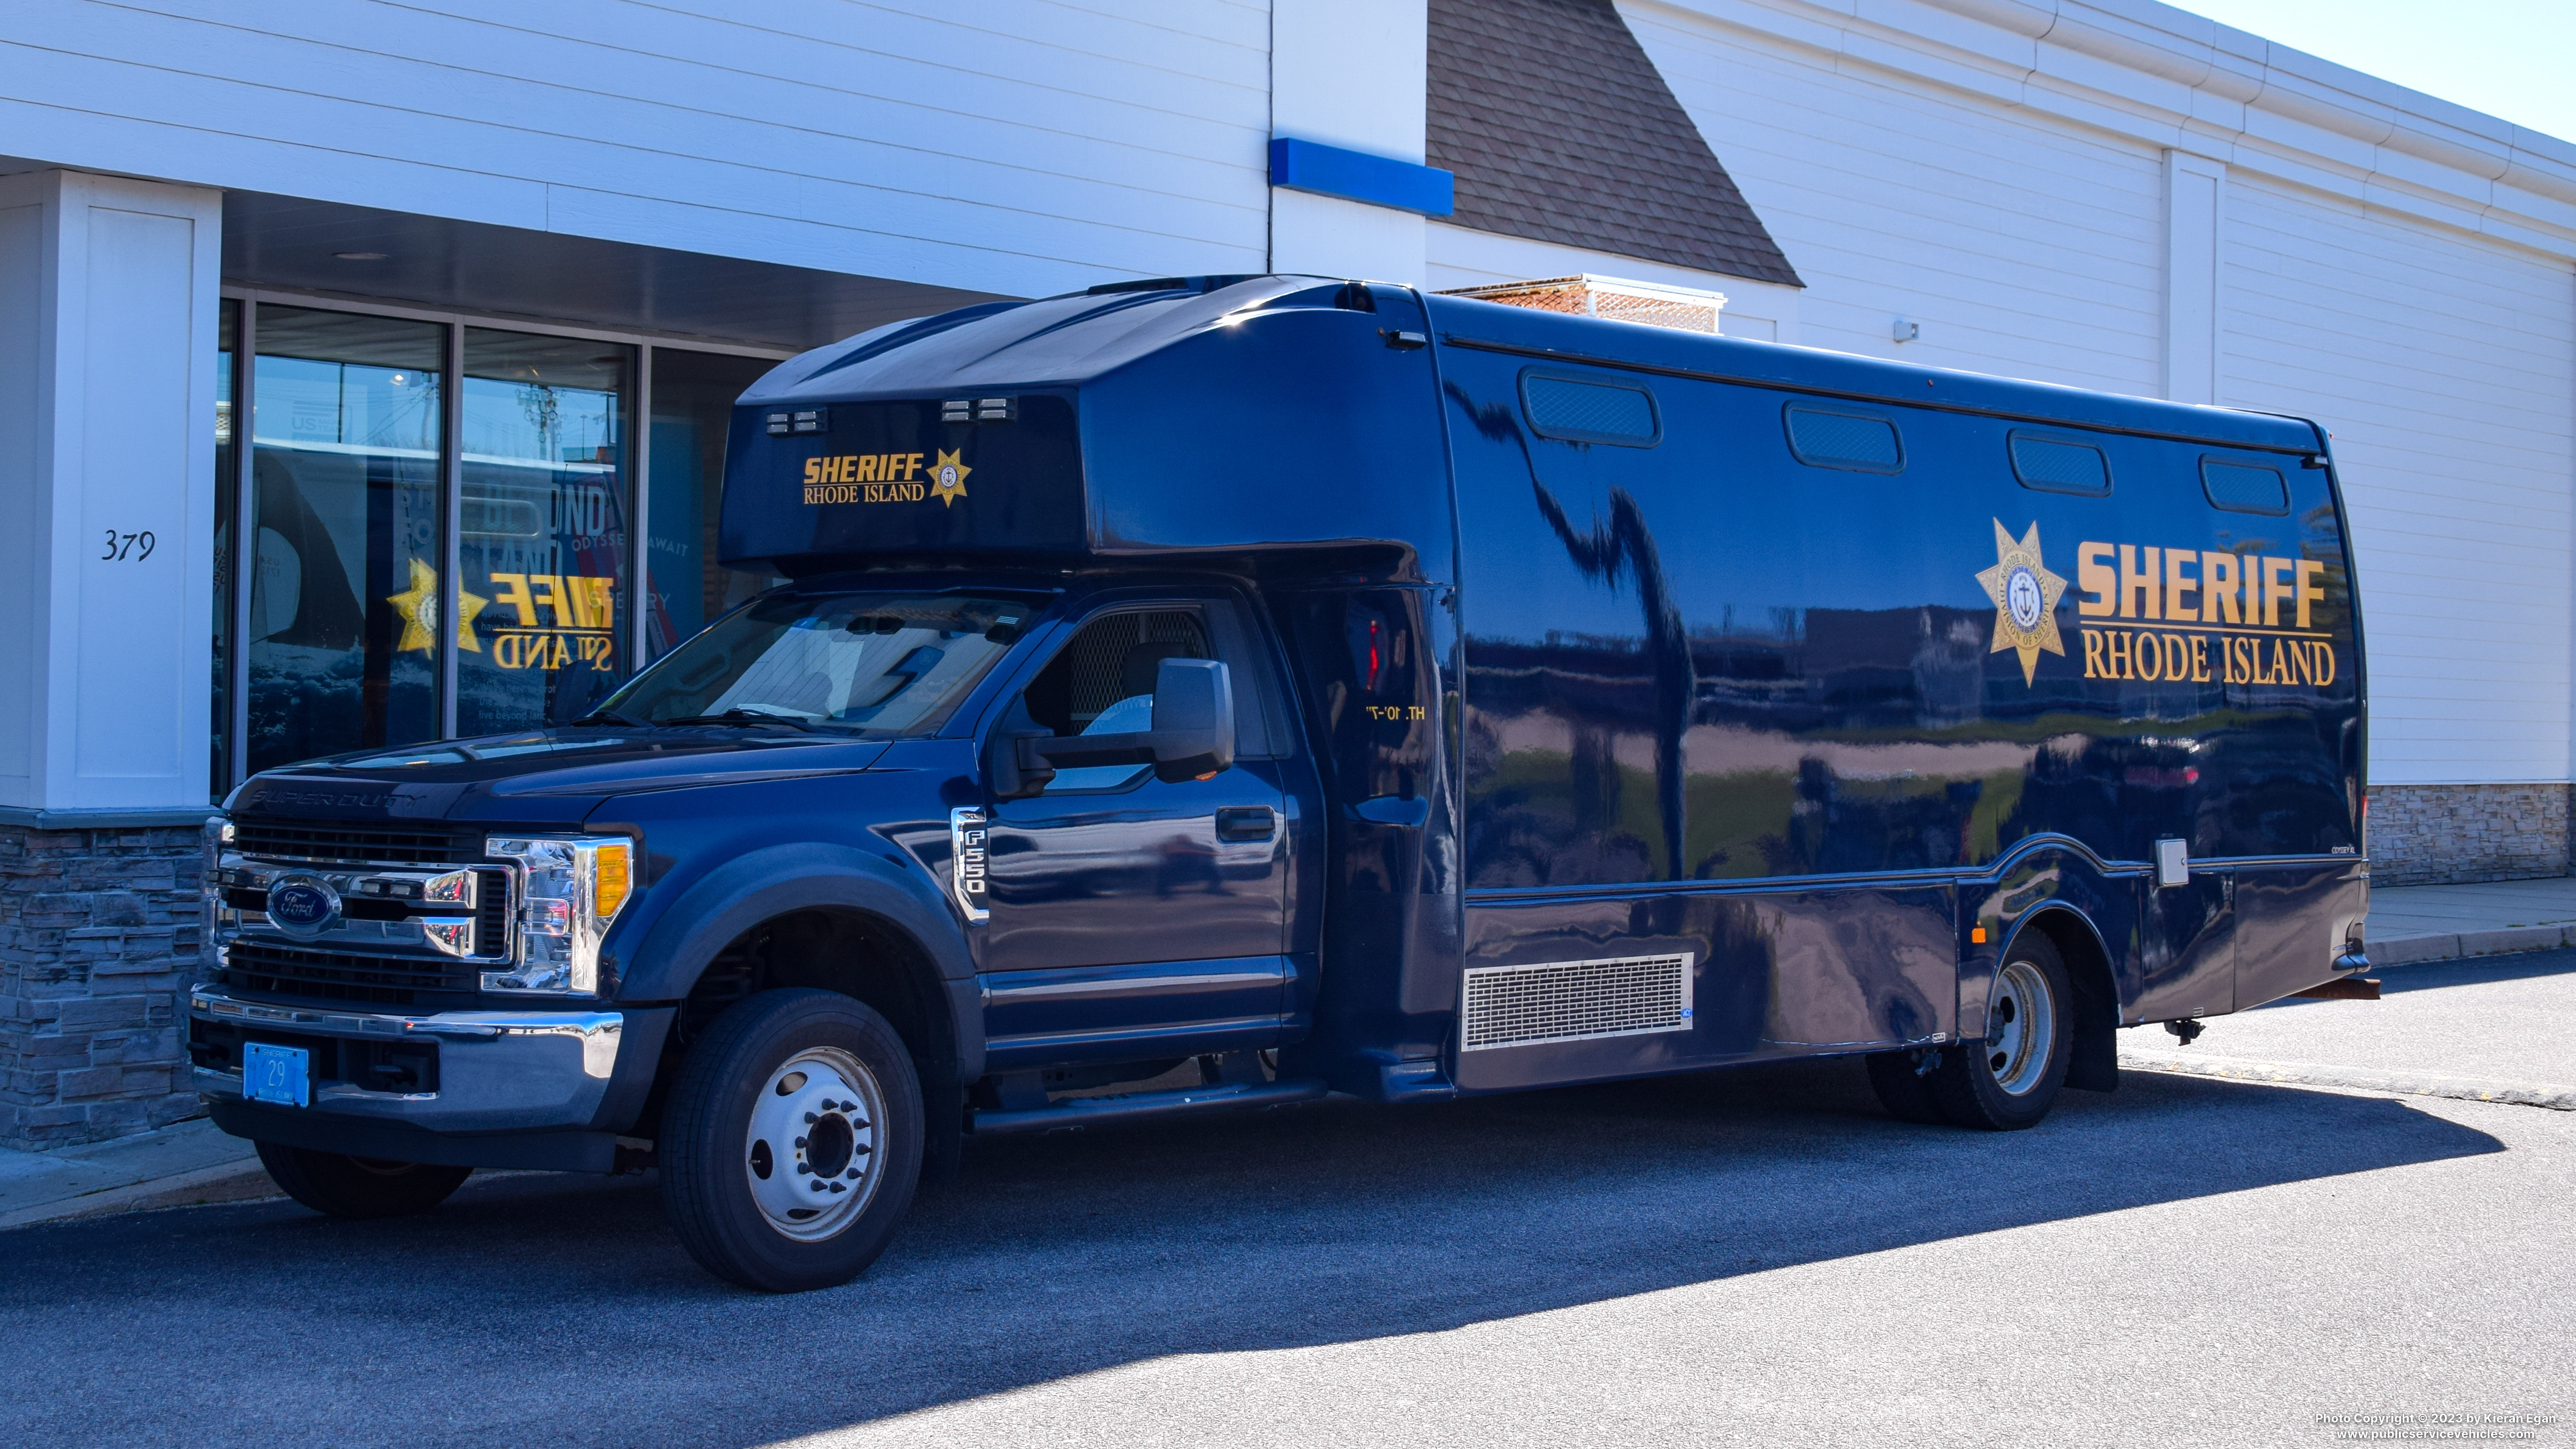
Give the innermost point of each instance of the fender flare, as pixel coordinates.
(780, 879)
(2096, 1062)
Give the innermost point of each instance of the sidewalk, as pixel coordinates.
(2446, 922)
(176, 1166)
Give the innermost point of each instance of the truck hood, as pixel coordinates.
(548, 775)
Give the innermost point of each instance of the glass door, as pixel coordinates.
(542, 529)
(341, 648)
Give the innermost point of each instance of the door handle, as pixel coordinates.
(1246, 822)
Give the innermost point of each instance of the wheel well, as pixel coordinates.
(858, 955)
(2096, 1064)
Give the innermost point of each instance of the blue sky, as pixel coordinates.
(2508, 58)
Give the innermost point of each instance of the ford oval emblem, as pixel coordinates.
(303, 905)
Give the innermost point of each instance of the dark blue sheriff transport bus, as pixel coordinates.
(1220, 692)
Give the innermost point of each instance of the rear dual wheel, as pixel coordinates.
(792, 1142)
(2009, 1080)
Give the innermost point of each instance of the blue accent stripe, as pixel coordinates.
(1359, 176)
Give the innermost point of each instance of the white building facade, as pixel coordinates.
(363, 368)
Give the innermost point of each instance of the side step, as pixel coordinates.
(1082, 1111)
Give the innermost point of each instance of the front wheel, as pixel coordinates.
(359, 1187)
(792, 1141)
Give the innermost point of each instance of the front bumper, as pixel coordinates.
(498, 1071)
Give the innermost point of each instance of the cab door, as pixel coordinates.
(1131, 917)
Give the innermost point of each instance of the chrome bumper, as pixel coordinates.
(498, 1071)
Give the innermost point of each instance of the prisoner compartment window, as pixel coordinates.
(2059, 465)
(1590, 410)
(1103, 684)
(1854, 441)
(2244, 487)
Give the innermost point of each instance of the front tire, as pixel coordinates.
(2009, 1081)
(792, 1142)
(359, 1187)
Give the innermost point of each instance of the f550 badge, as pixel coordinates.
(967, 859)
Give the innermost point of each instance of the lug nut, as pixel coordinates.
(810, 1118)
(836, 1187)
(800, 1144)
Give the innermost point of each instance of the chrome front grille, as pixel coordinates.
(357, 913)
(1575, 1000)
(263, 969)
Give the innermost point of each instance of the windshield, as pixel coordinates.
(872, 665)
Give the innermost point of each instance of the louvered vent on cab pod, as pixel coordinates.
(1575, 1000)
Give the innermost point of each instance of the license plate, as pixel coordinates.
(283, 1075)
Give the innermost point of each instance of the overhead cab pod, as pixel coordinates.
(809, 485)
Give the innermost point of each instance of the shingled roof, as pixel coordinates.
(1560, 129)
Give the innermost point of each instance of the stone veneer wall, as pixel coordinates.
(2448, 834)
(98, 946)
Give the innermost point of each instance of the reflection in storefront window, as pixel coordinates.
(343, 560)
(693, 397)
(542, 529)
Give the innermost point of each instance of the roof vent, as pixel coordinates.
(1686, 308)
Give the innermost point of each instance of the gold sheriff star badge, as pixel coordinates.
(2025, 595)
(418, 607)
(948, 479)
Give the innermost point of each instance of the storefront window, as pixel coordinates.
(342, 644)
(693, 397)
(542, 529)
(227, 510)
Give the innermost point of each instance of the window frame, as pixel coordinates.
(2241, 461)
(1789, 430)
(636, 482)
(1529, 415)
(2070, 440)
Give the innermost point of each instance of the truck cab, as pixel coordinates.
(1119, 747)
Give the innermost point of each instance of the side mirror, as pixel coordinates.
(1192, 735)
(1193, 719)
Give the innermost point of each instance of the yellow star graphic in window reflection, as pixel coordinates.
(2025, 595)
(418, 606)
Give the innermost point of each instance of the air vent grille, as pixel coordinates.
(1575, 1000)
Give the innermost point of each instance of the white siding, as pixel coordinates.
(1021, 149)
(2445, 366)
(2023, 246)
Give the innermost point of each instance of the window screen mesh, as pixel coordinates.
(2244, 488)
(1595, 412)
(1844, 440)
(2059, 467)
(1114, 655)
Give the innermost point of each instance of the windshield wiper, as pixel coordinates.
(609, 717)
(740, 717)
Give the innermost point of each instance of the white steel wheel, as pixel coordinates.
(2021, 1028)
(810, 1152)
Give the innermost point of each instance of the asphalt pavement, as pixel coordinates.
(1749, 1256)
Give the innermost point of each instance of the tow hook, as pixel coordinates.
(2186, 1031)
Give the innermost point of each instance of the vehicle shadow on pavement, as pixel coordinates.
(560, 1308)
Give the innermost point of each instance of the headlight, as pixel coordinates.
(570, 889)
(218, 833)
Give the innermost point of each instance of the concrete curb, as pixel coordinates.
(2457, 945)
(224, 1182)
(2413, 1084)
